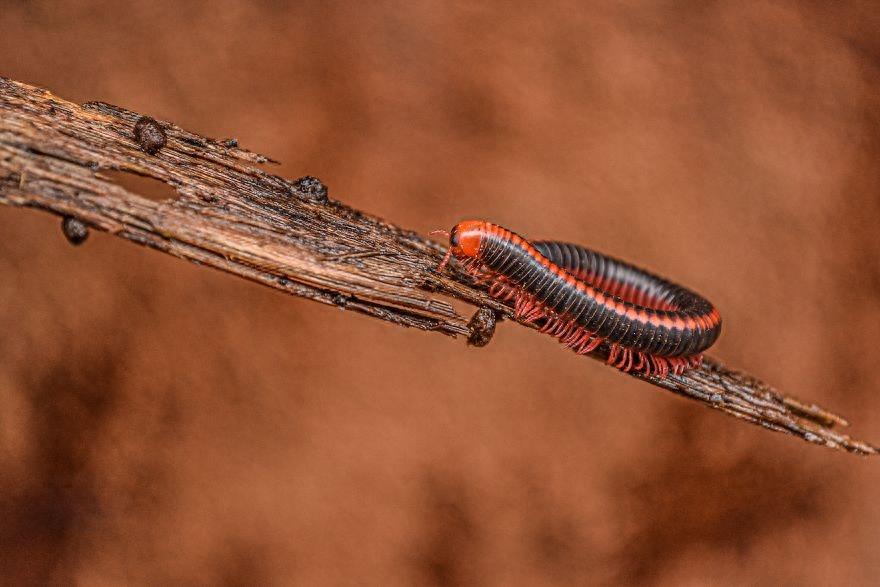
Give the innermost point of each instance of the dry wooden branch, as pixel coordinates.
(231, 215)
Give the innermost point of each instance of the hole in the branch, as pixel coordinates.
(147, 187)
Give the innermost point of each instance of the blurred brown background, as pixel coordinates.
(165, 424)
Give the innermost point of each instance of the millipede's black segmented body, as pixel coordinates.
(585, 298)
(644, 290)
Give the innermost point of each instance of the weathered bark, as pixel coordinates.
(231, 215)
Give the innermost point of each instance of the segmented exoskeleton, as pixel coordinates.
(585, 298)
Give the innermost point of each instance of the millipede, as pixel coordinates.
(586, 299)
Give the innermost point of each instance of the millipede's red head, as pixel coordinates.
(465, 238)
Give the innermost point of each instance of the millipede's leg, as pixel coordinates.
(640, 366)
(536, 314)
(580, 342)
(626, 361)
(521, 305)
(612, 356)
(571, 336)
(590, 346)
(548, 326)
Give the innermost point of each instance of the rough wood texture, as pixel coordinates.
(231, 215)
